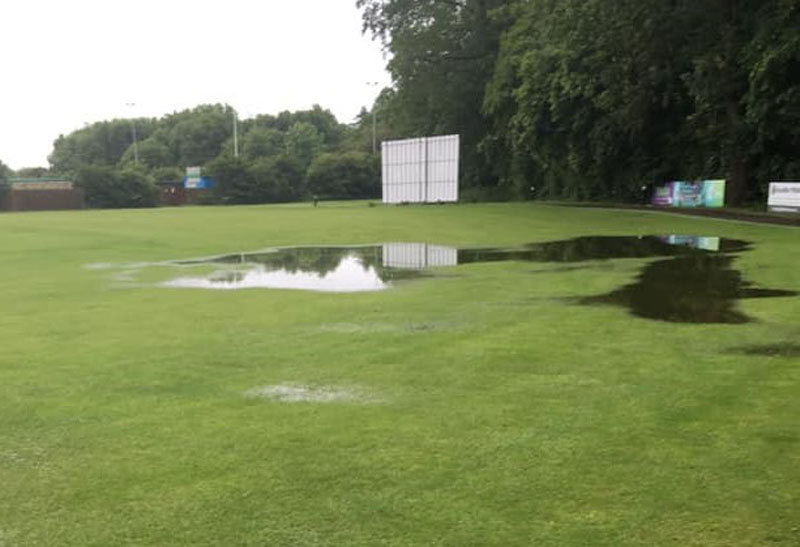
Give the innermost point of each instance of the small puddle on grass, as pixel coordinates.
(694, 284)
(296, 393)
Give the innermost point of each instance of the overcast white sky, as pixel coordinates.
(66, 63)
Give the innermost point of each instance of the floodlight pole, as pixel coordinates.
(133, 131)
(235, 135)
(374, 140)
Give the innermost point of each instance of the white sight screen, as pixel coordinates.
(421, 170)
(418, 256)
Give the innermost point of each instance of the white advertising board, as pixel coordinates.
(423, 170)
(784, 196)
(192, 177)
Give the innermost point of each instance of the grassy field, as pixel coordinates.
(489, 410)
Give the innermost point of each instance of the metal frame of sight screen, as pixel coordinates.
(423, 170)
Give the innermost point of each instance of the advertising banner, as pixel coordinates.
(195, 181)
(193, 178)
(784, 197)
(704, 193)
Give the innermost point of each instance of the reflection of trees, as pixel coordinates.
(695, 288)
(691, 286)
(230, 278)
(322, 260)
(319, 260)
(584, 248)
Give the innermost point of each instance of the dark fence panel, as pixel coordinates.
(43, 200)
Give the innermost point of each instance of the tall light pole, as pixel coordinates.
(235, 135)
(133, 131)
(374, 133)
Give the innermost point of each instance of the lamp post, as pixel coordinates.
(374, 137)
(235, 134)
(133, 132)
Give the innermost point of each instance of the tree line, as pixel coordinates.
(286, 157)
(559, 99)
(594, 99)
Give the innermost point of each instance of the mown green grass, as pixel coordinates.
(508, 414)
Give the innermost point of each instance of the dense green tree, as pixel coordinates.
(772, 102)
(323, 121)
(32, 172)
(279, 179)
(275, 152)
(233, 181)
(5, 172)
(167, 174)
(717, 84)
(304, 142)
(578, 111)
(590, 99)
(101, 143)
(152, 152)
(350, 175)
(442, 53)
(198, 138)
(386, 114)
(262, 142)
(267, 180)
(106, 187)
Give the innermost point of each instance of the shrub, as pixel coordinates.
(105, 187)
(350, 175)
(278, 179)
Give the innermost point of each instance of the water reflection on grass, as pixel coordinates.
(693, 281)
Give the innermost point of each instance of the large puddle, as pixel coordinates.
(693, 282)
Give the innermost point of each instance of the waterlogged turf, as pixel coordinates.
(698, 285)
(486, 402)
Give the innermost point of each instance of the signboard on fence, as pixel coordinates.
(423, 170)
(194, 180)
(784, 197)
(703, 193)
(192, 177)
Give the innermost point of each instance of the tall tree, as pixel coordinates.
(304, 143)
(587, 99)
(772, 102)
(442, 54)
(101, 144)
(717, 84)
(5, 172)
(198, 138)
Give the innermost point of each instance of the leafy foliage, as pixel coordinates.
(276, 179)
(105, 187)
(5, 172)
(590, 99)
(351, 175)
(442, 55)
(304, 142)
(32, 172)
(276, 152)
(279, 179)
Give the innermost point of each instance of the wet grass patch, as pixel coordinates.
(788, 350)
(508, 414)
